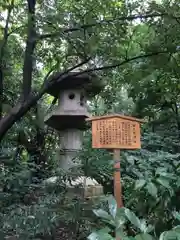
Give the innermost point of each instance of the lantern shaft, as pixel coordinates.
(70, 144)
(71, 139)
(68, 159)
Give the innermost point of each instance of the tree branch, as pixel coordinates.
(30, 47)
(104, 22)
(52, 80)
(22, 108)
(121, 63)
(15, 30)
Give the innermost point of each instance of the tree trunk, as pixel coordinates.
(3, 44)
(30, 47)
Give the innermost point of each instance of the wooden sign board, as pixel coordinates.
(115, 132)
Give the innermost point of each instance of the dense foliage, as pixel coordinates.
(133, 48)
(116, 221)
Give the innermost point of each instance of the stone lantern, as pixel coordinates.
(69, 116)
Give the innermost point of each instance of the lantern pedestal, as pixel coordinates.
(86, 187)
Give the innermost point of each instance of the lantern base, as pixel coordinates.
(85, 187)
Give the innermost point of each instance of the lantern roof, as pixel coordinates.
(75, 80)
(95, 118)
(65, 120)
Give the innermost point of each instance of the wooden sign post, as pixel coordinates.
(116, 132)
(117, 178)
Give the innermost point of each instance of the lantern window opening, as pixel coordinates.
(82, 99)
(71, 96)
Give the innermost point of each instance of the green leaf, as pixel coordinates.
(112, 206)
(143, 236)
(104, 230)
(132, 218)
(152, 189)
(150, 228)
(159, 170)
(102, 214)
(93, 236)
(139, 183)
(120, 233)
(143, 226)
(163, 172)
(100, 236)
(164, 182)
(169, 235)
(120, 217)
(177, 230)
(176, 215)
